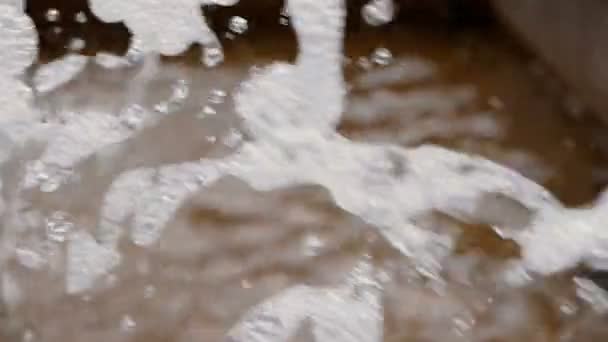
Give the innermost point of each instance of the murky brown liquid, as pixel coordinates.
(231, 247)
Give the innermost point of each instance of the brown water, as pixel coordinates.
(231, 246)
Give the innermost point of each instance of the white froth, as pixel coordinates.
(18, 50)
(291, 112)
(349, 312)
(59, 72)
(78, 135)
(176, 24)
(86, 262)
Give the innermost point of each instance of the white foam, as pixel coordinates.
(351, 311)
(59, 72)
(291, 111)
(86, 262)
(18, 50)
(163, 27)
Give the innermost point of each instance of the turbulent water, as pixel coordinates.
(81, 208)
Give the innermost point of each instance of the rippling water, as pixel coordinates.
(154, 200)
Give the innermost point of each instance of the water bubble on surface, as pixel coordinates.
(238, 25)
(81, 17)
(212, 56)
(76, 44)
(52, 15)
(378, 12)
(382, 56)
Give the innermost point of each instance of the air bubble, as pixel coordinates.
(382, 56)
(212, 56)
(80, 17)
(378, 12)
(76, 44)
(238, 25)
(52, 15)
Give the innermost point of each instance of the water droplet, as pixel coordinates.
(52, 15)
(127, 323)
(238, 25)
(382, 56)
(76, 44)
(378, 12)
(80, 17)
(212, 56)
(217, 96)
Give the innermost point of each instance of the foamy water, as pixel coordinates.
(288, 116)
